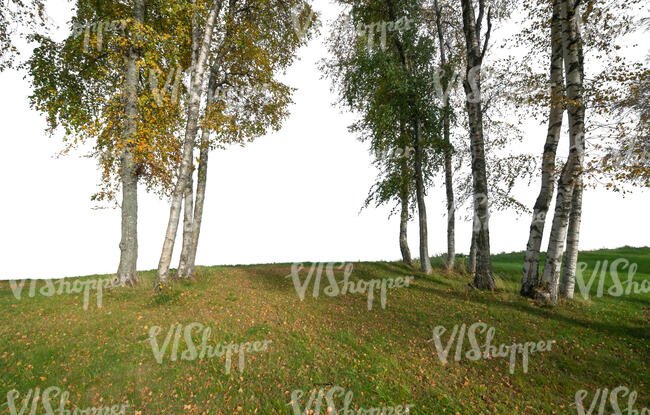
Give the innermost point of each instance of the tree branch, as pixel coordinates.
(479, 19)
(487, 34)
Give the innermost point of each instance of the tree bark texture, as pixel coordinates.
(567, 282)
(188, 216)
(574, 72)
(530, 279)
(127, 269)
(483, 278)
(202, 180)
(403, 226)
(425, 261)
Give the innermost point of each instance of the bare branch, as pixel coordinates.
(487, 34)
(479, 19)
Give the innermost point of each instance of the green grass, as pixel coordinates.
(102, 356)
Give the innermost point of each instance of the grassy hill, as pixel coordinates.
(103, 356)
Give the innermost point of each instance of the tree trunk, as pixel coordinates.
(530, 278)
(551, 273)
(188, 198)
(574, 72)
(405, 178)
(451, 208)
(449, 179)
(420, 189)
(425, 261)
(567, 283)
(573, 50)
(483, 278)
(188, 211)
(193, 109)
(403, 240)
(202, 179)
(472, 247)
(198, 206)
(127, 269)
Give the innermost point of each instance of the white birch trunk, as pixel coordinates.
(574, 72)
(550, 277)
(567, 282)
(530, 278)
(193, 109)
(577, 113)
(188, 214)
(202, 179)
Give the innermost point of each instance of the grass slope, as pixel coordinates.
(102, 356)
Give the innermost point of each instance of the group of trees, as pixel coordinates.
(406, 93)
(156, 93)
(175, 79)
(583, 35)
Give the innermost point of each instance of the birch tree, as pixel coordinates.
(602, 25)
(574, 71)
(389, 82)
(446, 82)
(475, 50)
(243, 99)
(89, 85)
(393, 158)
(580, 27)
(530, 279)
(199, 63)
(503, 168)
(262, 100)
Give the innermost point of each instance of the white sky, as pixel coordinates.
(291, 196)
